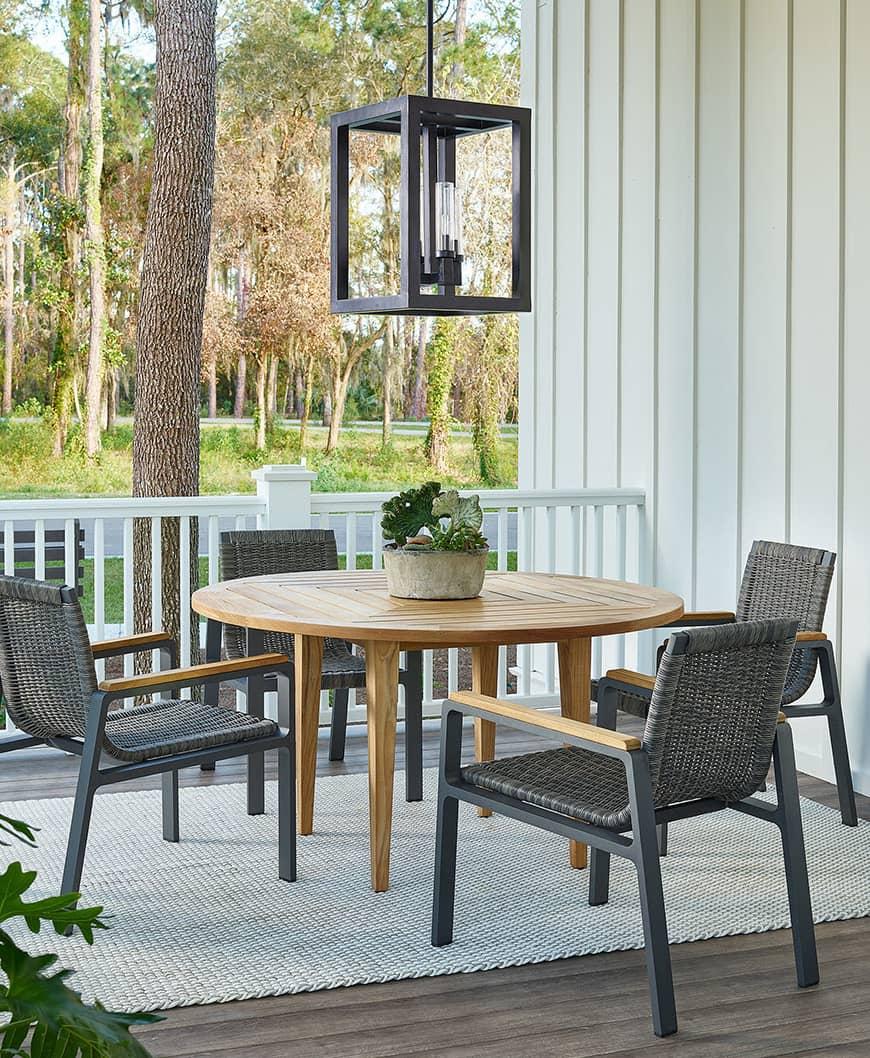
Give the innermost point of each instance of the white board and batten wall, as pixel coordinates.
(701, 321)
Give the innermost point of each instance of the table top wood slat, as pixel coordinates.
(513, 608)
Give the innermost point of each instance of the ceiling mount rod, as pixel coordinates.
(430, 48)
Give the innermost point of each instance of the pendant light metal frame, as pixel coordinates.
(428, 128)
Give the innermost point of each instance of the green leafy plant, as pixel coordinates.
(48, 1018)
(409, 512)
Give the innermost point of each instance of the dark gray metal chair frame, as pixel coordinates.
(92, 714)
(641, 768)
(807, 605)
(253, 552)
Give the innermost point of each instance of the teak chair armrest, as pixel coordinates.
(211, 672)
(573, 731)
(112, 648)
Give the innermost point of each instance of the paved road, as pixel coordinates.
(114, 540)
(413, 428)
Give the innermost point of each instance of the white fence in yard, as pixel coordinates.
(594, 532)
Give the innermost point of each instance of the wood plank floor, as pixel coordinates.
(736, 996)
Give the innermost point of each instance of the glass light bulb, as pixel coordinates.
(446, 218)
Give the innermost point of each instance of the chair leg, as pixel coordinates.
(599, 877)
(169, 781)
(211, 691)
(606, 713)
(842, 768)
(338, 724)
(286, 814)
(254, 692)
(652, 901)
(662, 838)
(794, 854)
(445, 871)
(413, 683)
(86, 787)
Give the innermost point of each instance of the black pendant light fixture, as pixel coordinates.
(430, 267)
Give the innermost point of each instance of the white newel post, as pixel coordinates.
(286, 491)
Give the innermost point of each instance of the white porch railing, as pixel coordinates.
(594, 532)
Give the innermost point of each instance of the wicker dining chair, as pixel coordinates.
(256, 552)
(52, 694)
(710, 734)
(780, 580)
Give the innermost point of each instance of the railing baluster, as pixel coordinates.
(577, 540)
(501, 690)
(100, 588)
(377, 541)
(156, 574)
(550, 648)
(428, 687)
(184, 592)
(128, 590)
(350, 539)
(503, 539)
(621, 565)
(213, 548)
(70, 551)
(9, 548)
(39, 546)
(597, 571)
(452, 670)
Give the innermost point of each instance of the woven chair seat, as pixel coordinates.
(161, 728)
(570, 781)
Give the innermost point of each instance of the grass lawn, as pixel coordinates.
(228, 455)
(114, 574)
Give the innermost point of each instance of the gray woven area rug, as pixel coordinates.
(207, 921)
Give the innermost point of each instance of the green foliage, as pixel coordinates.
(440, 365)
(406, 514)
(47, 1018)
(465, 518)
(228, 454)
(426, 506)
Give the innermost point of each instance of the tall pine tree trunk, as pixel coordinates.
(212, 387)
(67, 339)
(95, 244)
(172, 299)
(387, 383)
(241, 386)
(418, 400)
(439, 365)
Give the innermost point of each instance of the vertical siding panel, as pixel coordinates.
(854, 559)
(718, 302)
(765, 272)
(676, 195)
(530, 351)
(545, 120)
(815, 311)
(602, 275)
(570, 91)
(638, 235)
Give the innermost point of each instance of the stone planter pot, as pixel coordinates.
(435, 574)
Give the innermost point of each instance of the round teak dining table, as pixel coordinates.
(355, 605)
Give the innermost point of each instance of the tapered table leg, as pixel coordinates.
(382, 692)
(307, 665)
(575, 674)
(484, 680)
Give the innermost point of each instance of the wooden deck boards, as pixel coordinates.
(736, 996)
